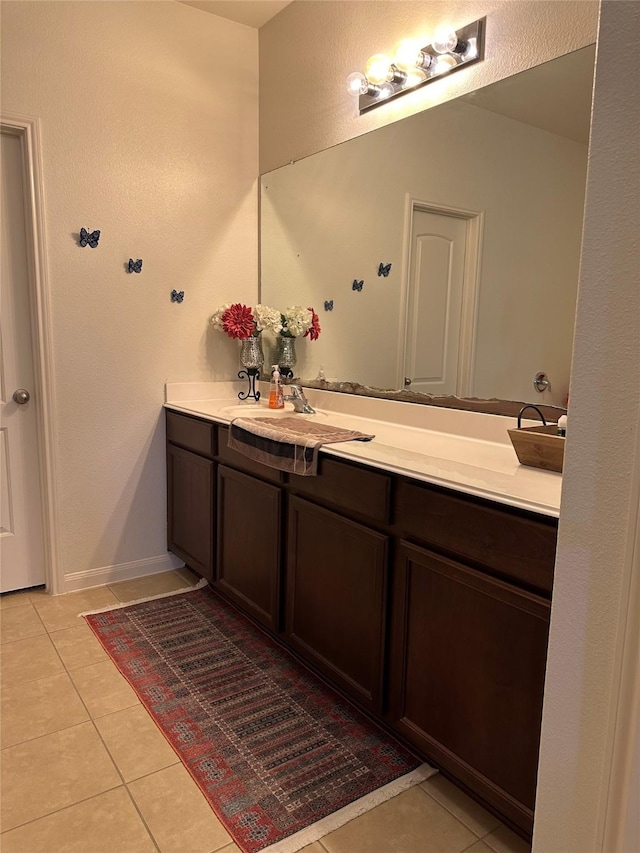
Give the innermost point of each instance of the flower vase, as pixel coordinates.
(252, 359)
(251, 355)
(285, 355)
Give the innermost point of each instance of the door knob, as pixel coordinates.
(21, 396)
(407, 382)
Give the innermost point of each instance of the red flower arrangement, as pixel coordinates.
(237, 321)
(314, 329)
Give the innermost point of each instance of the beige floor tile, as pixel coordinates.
(52, 772)
(18, 623)
(39, 708)
(78, 646)
(316, 847)
(150, 585)
(103, 689)
(478, 847)
(472, 815)
(61, 611)
(503, 840)
(191, 577)
(412, 822)
(28, 660)
(177, 814)
(108, 823)
(233, 848)
(135, 743)
(14, 599)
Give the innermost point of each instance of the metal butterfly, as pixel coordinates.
(384, 269)
(135, 266)
(328, 305)
(357, 285)
(177, 295)
(87, 239)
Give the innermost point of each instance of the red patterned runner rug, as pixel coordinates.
(281, 758)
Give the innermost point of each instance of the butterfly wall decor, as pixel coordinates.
(177, 295)
(357, 285)
(135, 266)
(384, 269)
(87, 239)
(328, 305)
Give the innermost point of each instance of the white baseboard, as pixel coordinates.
(121, 572)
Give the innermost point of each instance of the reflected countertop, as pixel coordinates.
(465, 451)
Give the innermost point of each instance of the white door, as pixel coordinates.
(21, 532)
(434, 302)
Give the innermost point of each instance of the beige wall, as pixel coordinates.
(307, 51)
(149, 133)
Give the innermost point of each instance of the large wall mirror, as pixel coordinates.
(477, 205)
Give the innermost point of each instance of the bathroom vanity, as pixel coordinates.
(427, 605)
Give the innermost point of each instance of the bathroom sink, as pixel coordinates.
(256, 410)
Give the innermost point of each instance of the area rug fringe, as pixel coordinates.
(202, 582)
(328, 824)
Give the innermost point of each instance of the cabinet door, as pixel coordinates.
(336, 581)
(467, 676)
(249, 530)
(190, 496)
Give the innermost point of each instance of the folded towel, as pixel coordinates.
(289, 444)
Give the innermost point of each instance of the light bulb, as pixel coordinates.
(357, 84)
(386, 90)
(472, 49)
(444, 64)
(408, 55)
(445, 40)
(427, 62)
(377, 68)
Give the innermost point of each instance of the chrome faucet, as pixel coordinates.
(299, 401)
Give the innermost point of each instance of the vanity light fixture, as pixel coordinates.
(413, 66)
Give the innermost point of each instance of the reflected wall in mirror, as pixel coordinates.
(478, 206)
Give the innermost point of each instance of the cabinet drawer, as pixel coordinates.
(237, 460)
(191, 433)
(519, 547)
(360, 491)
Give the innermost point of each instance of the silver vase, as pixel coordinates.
(251, 355)
(285, 355)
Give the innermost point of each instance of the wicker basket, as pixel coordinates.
(539, 446)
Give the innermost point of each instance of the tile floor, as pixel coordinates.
(85, 770)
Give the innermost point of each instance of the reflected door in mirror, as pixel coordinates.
(434, 301)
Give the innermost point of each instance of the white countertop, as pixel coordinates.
(466, 451)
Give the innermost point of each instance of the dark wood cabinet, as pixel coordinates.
(190, 505)
(336, 591)
(248, 549)
(428, 607)
(466, 675)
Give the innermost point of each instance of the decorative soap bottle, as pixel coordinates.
(276, 396)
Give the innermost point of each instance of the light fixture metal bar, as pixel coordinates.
(470, 31)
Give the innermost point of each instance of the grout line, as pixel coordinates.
(61, 809)
(142, 817)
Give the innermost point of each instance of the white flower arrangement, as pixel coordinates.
(216, 317)
(296, 321)
(268, 319)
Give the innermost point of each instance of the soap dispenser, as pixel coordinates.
(276, 396)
